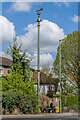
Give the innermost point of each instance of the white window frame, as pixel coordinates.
(2, 68)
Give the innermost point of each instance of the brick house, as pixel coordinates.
(48, 85)
(4, 66)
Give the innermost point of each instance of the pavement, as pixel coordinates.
(42, 115)
(44, 118)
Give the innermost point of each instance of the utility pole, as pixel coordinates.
(59, 76)
(38, 52)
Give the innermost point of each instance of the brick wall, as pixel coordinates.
(5, 72)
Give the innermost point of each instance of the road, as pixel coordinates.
(44, 118)
(63, 116)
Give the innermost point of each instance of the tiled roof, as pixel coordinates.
(44, 79)
(47, 79)
(5, 61)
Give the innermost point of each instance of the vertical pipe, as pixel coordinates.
(59, 76)
(1, 62)
(38, 60)
(79, 60)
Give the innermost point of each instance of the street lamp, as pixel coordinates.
(38, 59)
(60, 75)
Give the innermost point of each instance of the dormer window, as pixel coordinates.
(1, 70)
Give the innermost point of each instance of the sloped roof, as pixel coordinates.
(5, 61)
(45, 79)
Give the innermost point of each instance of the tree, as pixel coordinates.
(21, 78)
(46, 69)
(19, 58)
(69, 56)
(21, 75)
(70, 60)
(14, 52)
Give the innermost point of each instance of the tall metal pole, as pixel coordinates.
(59, 76)
(38, 58)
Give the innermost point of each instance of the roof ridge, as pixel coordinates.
(5, 61)
(6, 58)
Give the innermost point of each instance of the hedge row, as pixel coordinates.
(71, 102)
(17, 99)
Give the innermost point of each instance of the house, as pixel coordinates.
(48, 85)
(4, 66)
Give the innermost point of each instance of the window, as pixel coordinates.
(9, 71)
(1, 70)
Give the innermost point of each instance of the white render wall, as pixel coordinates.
(44, 88)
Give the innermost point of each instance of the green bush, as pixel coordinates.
(17, 99)
(18, 87)
(71, 102)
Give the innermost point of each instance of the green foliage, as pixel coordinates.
(16, 81)
(69, 61)
(16, 99)
(19, 58)
(55, 96)
(0, 94)
(20, 80)
(63, 99)
(71, 102)
(69, 56)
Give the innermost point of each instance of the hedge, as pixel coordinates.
(71, 102)
(17, 99)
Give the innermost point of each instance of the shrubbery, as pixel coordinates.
(71, 102)
(16, 99)
(18, 87)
